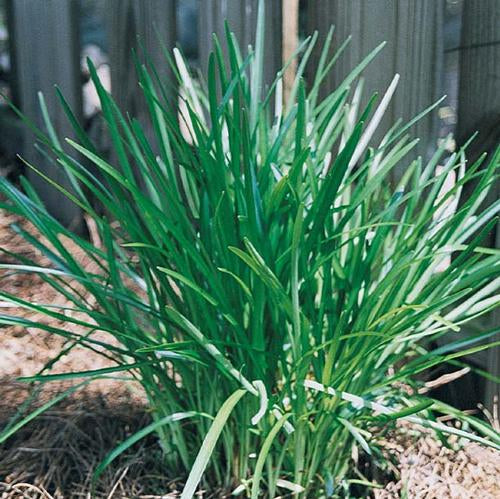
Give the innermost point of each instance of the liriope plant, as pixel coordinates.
(262, 275)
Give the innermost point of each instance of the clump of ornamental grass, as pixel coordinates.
(263, 277)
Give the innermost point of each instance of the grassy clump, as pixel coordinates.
(269, 286)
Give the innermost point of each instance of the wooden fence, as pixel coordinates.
(45, 51)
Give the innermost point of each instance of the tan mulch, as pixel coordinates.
(427, 469)
(23, 352)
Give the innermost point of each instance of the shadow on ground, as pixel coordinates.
(55, 455)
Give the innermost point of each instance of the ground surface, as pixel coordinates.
(427, 469)
(55, 455)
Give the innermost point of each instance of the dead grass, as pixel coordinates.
(55, 455)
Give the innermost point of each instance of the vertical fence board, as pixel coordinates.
(148, 27)
(242, 18)
(479, 110)
(46, 52)
(479, 95)
(413, 32)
